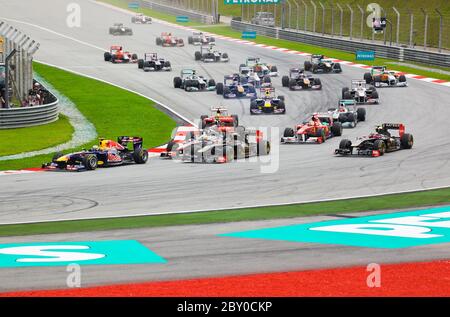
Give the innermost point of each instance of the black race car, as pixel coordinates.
(120, 29)
(320, 64)
(378, 143)
(107, 153)
(151, 62)
(298, 80)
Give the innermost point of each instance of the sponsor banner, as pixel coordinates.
(82, 253)
(395, 230)
(133, 5)
(182, 19)
(365, 55)
(248, 35)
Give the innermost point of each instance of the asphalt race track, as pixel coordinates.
(198, 251)
(305, 172)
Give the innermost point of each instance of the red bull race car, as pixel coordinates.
(107, 153)
(168, 40)
(116, 55)
(317, 128)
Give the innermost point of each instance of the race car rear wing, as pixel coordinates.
(394, 126)
(135, 140)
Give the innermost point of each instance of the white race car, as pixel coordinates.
(347, 113)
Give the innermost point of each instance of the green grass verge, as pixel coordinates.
(231, 10)
(112, 110)
(21, 140)
(396, 201)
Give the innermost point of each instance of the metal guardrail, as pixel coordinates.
(30, 116)
(196, 16)
(383, 51)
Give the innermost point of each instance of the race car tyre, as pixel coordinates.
(177, 82)
(308, 65)
(402, 78)
(314, 68)
(377, 81)
(235, 120)
(368, 78)
(317, 82)
(198, 56)
(90, 162)
(337, 68)
(347, 95)
(170, 146)
(134, 56)
(336, 128)
(281, 98)
(211, 83)
(407, 141)
(140, 155)
(158, 41)
(282, 106)
(253, 106)
(361, 114)
(167, 64)
(288, 133)
(57, 155)
(345, 144)
(344, 90)
(140, 63)
(263, 148)
(285, 81)
(379, 146)
(190, 40)
(375, 94)
(224, 55)
(292, 84)
(219, 88)
(187, 85)
(180, 42)
(107, 56)
(203, 121)
(226, 91)
(212, 39)
(273, 69)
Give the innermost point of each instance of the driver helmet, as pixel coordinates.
(342, 108)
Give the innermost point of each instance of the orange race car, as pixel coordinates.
(116, 54)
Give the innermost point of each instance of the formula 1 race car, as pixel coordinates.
(190, 81)
(120, 29)
(107, 153)
(235, 86)
(379, 76)
(167, 39)
(317, 128)
(378, 143)
(347, 113)
(208, 55)
(117, 55)
(215, 146)
(267, 103)
(219, 117)
(361, 92)
(251, 77)
(141, 19)
(151, 62)
(298, 80)
(259, 68)
(320, 64)
(199, 38)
